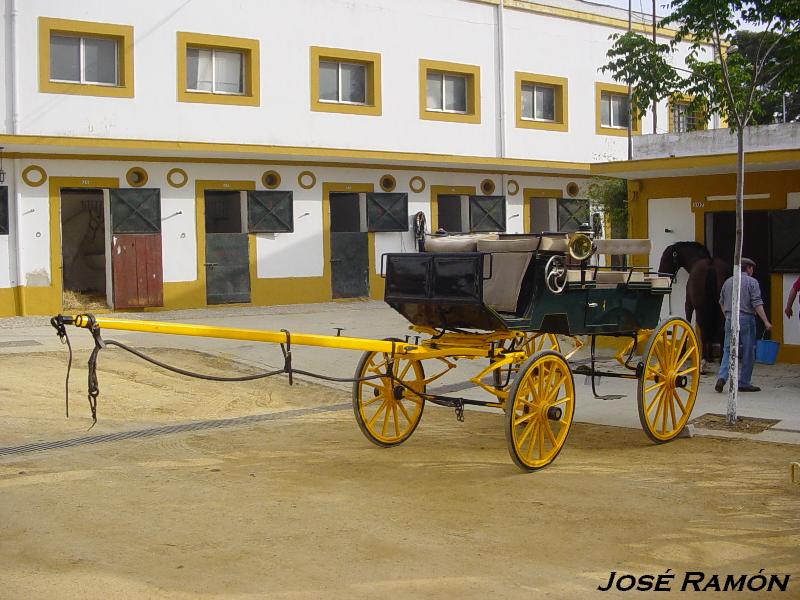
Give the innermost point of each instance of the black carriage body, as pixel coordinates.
(445, 290)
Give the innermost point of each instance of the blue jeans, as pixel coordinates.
(747, 348)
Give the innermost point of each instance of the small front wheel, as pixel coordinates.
(387, 399)
(541, 404)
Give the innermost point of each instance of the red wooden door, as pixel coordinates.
(136, 270)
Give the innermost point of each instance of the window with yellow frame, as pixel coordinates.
(449, 91)
(85, 58)
(541, 101)
(682, 118)
(612, 113)
(345, 81)
(215, 69)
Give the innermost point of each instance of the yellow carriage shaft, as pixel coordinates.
(276, 337)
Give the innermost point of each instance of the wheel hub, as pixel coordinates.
(397, 392)
(554, 413)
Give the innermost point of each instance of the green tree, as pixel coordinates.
(610, 196)
(719, 79)
(771, 109)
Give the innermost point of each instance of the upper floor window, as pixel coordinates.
(446, 92)
(215, 69)
(682, 119)
(342, 82)
(83, 59)
(345, 81)
(449, 91)
(614, 110)
(78, 57)
(541, 101)
(613, 113)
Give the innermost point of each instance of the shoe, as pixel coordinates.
(749, 388)
(720, 385)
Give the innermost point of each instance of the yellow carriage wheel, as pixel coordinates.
(540, 408)
(388, 409)
(669, 380)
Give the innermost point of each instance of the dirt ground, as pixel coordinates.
(305, 507)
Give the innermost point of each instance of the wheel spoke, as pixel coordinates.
(654, 386)
(385, 418)
(671, 410)
(550, 434)
(396, 420)
(525, 432)
(652, 402)
(405, 370)
(404, 411)
(524, 418)
(684, 357)
(678, 399)
(532, 441)
(541, 442)
(377, 412)
(373, 400)
(553, 392)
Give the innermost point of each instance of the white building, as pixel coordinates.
(135, 132)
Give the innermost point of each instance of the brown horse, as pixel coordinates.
(706, 276)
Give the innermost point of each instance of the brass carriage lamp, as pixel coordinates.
(2, 172)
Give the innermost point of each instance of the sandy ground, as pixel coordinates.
(305, 507)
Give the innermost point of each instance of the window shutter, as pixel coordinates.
(487, 213)
(270, 211)
(4, 210)
(784, 247)
(387, 211)
(135, 210)
(572, 213)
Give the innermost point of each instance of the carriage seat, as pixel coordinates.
(456, 243)
(510, 260)
(624, 246)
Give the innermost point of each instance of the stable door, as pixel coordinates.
(227, 261)
(349, 246)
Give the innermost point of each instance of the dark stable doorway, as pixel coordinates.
(83, 248)
(349, 248)
(720, 232)
(227, 251)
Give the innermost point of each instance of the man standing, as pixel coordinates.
(750, 305)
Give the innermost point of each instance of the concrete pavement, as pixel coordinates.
(779, 398)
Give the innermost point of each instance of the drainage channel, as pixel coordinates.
(169, 429)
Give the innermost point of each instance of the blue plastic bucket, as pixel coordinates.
(766, 352)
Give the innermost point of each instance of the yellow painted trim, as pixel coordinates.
(375, 281)
(131, 177)
(122, 34)
(179, 183)
(707, 161)
(200, 188)
(576, 15)
(372, 63)
(303, 175)
(8, 302)
(473, 75)
(257, 154)
(488, 187)
(275, 178)
(250, 50)
(613, 88)
(387, 182)
(527, 194)
(436, 190)
(560, 84)
(417, 184)
(26, 176)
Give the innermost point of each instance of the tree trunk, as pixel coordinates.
(733, 348)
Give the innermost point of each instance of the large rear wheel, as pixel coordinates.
(388, 408)
(541, 404)
(669, 380)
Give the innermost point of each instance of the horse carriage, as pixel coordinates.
(504, 299)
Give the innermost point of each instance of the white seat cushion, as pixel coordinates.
(631, 247)
(456, 243)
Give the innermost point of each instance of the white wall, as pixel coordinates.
(676, 215)
(402, 32)
(296, 254)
